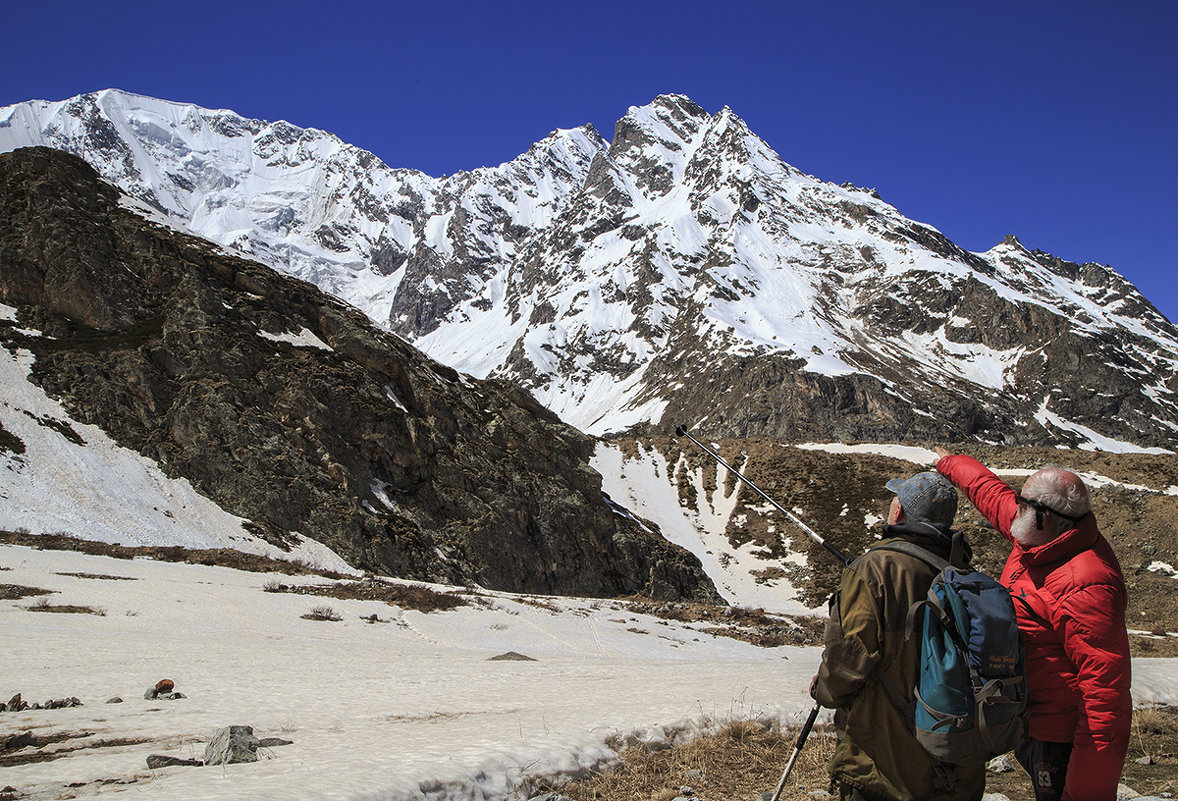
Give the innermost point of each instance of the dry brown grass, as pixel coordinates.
(740, 622)
(43, 605)
(323, 613)
(745, 759)
(740, 761)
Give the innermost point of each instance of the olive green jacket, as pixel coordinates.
(865, 641)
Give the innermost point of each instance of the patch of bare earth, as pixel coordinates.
(102, 576)
(28, 748)
(14, 592)
(67, 609)
(219, 557)
(405, 596)
(754, 626)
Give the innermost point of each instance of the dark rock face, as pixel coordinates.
(290, 409)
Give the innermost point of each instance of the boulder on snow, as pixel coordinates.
(511, 656)
(231, 745)
(273, 742)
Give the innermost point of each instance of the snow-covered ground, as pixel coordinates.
(406, 708)
(409, 708)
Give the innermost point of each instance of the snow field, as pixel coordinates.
(376, 711)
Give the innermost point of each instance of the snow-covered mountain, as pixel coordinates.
(682, 273)
(157, 391)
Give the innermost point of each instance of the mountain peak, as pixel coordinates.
(607, 279)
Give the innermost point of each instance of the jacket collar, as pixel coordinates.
(935, 538)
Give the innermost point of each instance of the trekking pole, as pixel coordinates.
(789, 766)
(805, 732)
(814, 535)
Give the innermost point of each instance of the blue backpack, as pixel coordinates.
(971, 691)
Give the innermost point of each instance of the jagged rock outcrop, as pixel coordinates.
(290, 409)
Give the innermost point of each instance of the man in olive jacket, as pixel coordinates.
(869, 668)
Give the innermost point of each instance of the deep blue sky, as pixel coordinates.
(1053, 121)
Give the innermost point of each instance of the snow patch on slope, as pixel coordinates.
(647, 485)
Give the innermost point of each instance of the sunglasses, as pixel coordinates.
(1042, 509)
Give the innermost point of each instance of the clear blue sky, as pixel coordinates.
(1054, 121)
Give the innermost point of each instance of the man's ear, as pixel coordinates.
(896, 513)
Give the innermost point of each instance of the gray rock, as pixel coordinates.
(62, 703)
(273, 742)
(1145, 760)
(511, 656)
(1001, 764)
(231, 745)
(994, 797)
(1124, 792)
(115, 700)
(164, 761)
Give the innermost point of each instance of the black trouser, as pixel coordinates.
(1047, 764)
(850, 793)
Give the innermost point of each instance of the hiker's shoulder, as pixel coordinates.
(893, 556)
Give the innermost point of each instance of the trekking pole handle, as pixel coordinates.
(683, 432)
(789, 766)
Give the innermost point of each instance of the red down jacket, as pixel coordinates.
(1070, 598)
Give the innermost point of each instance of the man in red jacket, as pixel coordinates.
(1070, 597)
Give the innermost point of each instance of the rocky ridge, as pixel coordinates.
(290, 409)
(681, 273)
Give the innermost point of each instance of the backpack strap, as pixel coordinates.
(907, 708)
(956, 553)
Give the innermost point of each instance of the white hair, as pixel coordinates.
(1057, 488)
(1061, 489)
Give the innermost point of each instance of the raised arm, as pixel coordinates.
(988, 493)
